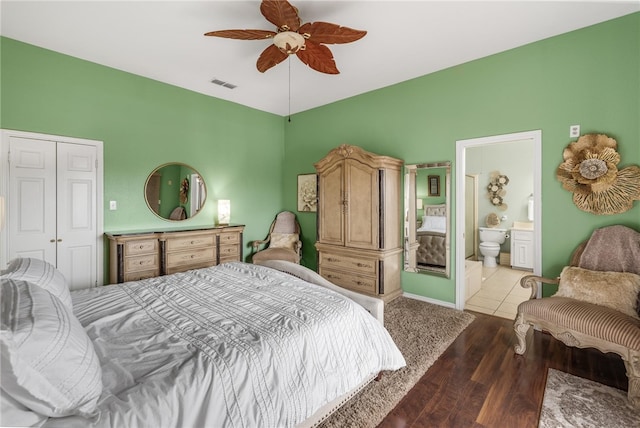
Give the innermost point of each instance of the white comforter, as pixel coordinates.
(236, 345)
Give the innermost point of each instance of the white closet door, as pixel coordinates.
(32, 199)
(53, 206)
(77, 229)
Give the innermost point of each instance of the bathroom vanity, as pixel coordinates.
(522, 245)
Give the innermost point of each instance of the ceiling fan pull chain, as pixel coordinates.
(289, 60)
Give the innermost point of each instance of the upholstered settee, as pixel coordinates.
(597, 303)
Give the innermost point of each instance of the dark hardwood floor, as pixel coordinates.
(480, 382)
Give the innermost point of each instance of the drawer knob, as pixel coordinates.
(142, 247)
(331, 259)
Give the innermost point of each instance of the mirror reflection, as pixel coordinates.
(427, 218)
(175, 191)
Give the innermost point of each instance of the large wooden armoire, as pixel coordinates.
(359, 238)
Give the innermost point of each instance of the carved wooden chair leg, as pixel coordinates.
(521, 328)
(633, 373)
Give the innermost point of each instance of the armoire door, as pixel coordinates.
(362, 205)
(53, 206)
(331, 208)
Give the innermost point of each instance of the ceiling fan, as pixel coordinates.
(307, 41)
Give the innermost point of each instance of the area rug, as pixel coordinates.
(571, 401)
(422, 331)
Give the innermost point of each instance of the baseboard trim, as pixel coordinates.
(429, 300)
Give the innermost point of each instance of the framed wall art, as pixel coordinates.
(433, 184)
(307, 193)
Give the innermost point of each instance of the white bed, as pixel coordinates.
(236, 345)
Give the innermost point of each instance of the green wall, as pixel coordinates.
(589, 77)
(143, 124)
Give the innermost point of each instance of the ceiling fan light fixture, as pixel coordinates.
(308, 41)
(289, 42)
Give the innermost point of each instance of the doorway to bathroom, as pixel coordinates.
(499, 202)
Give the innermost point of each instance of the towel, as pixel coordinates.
(614, 249)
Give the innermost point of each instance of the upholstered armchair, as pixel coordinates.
(282, 242)
(597, 303)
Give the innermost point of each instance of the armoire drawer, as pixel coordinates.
(363, 284)
(360, 265)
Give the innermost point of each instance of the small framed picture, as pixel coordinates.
(307, 193)
(433, 182)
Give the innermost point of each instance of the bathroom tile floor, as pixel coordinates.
(500, 293)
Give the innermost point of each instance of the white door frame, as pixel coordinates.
(461, 146)
(4, 191)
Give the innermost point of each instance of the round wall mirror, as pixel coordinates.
(175, 191)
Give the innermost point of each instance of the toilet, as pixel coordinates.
(490, 240)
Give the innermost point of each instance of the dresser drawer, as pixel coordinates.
(363, 284)
(187, 242)
(197, 256)
(352, 264)
(229, 238)
(143, 246)
(136, 276)
(139, 263)
(229, 252)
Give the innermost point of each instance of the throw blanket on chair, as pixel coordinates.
(612, 248)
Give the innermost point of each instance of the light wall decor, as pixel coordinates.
(224, 211)
(496, 189)
(307, 193)
(591, 173)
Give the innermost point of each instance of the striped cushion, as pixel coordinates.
(594, 320)
(48, 362)
(41, 273)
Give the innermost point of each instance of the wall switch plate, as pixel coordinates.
(574, 131)
(113, 205)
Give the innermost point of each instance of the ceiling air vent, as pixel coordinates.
(223, 83)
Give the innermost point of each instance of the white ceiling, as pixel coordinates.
(164, 40)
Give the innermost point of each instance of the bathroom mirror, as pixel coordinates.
(427, 225)
(175, 191)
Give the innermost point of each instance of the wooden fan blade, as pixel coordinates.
(269, 57)
(325, 32)
(242, 34)
(318, 57)
(281, 14)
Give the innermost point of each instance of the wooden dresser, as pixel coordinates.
(359, 221)
(146, 254)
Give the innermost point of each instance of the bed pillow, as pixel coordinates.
(14, 414)
(48, 363)
(434, 222)
(284, 240)
(40, 273)
(616, 290)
